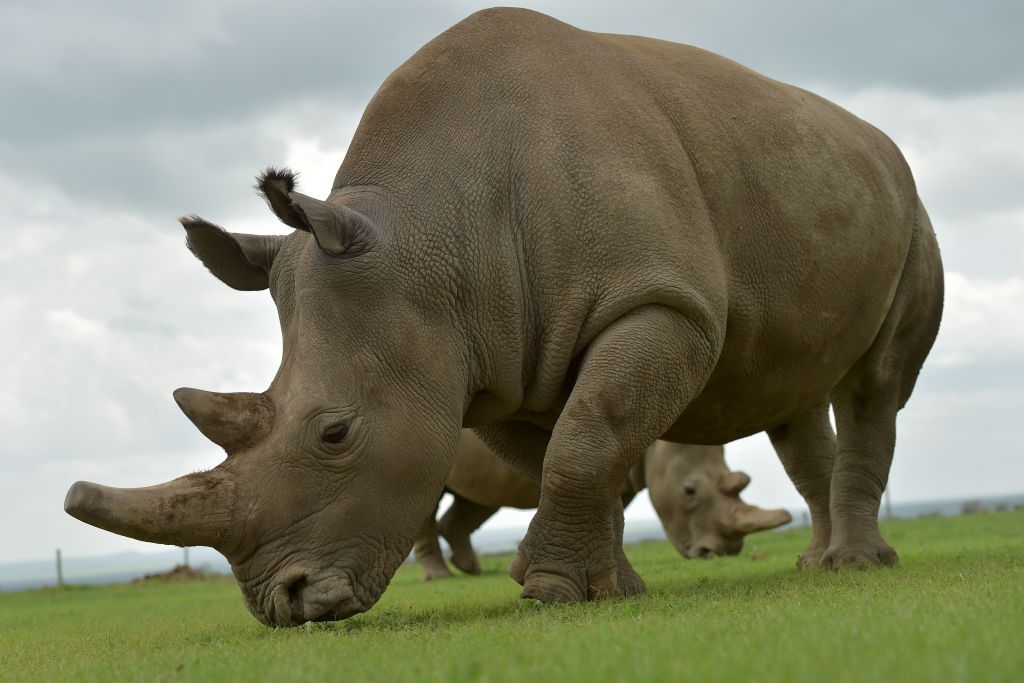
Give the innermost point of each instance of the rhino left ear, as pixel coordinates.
(338, 230)
(238, 260)
(733, 482)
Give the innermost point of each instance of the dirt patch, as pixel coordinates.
(181, 572)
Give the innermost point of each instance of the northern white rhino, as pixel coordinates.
(694, 493)
(575, 243)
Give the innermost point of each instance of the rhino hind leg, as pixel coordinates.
(867, 435)
(457, 525)
(428, 551)
(635, 379)
(866, 402)
(807, 446)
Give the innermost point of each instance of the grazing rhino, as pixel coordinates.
(696, 496)
(575, 243)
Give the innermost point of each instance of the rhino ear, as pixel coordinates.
(239, 261)
(732, 483)
(338, 230)
(276, 184)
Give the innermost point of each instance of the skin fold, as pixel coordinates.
(575, 244)
(694, 493)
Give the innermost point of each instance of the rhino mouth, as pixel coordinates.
(299, 595)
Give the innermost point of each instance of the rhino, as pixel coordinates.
(575, 244)
(696, 497)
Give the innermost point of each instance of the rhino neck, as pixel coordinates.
(462, 258)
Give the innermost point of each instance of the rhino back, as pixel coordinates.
(618, 171)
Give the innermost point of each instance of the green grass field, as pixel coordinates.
(953, 610)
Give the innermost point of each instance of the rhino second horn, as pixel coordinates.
(232, 421)
(191, 510)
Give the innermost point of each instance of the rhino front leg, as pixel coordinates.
(457, 525)
(629, 582)
(634, 381)
(428, 550)
(807, 446)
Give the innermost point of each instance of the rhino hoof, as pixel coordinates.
(859, 556)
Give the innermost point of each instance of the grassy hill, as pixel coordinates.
(953, 610)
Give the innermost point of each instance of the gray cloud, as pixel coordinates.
(148, 96)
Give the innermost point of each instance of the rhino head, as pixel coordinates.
(318, 501)
(697, 498)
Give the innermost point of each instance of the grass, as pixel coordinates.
(953, 610)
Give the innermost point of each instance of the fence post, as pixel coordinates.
(186, 556)
(60, 570)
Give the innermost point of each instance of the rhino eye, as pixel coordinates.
(336, 432)
(689, 490)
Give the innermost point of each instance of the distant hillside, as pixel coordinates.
(130, 565)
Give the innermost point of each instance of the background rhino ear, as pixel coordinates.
(239, 261)
(733, 482)
(337, 229)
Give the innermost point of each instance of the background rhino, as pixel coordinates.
(575, 243)
(696, 496)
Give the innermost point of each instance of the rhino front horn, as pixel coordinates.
(750, 518)
(232, 421)
(192, 510)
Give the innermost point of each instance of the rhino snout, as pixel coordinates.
(299, 595)
(707, 550)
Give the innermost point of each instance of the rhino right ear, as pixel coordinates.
(239, 261)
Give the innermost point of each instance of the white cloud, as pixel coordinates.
(74, 327)
(982, 319)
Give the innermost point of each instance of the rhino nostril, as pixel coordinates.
(704, 553)
(295, 590)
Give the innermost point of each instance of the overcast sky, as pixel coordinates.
(118, 116)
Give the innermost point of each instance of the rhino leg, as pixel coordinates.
(866, 402)
(456, 526)
(629, 582)
(428, 551)
(634, 381)
(807, 446)
(867, 435)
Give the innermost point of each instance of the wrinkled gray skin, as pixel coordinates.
(696, 496)
(575, 243)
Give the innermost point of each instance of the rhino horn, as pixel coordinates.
(732, 483)
(337, 228)
(233, 421)
(749, 518)
(192, 510)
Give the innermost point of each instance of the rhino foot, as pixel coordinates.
(863, 554)
(811, 558)
(435, 571)
(629, 582)
(559, 577)
(466, 562)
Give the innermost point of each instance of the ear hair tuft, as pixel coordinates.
(278, 176)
